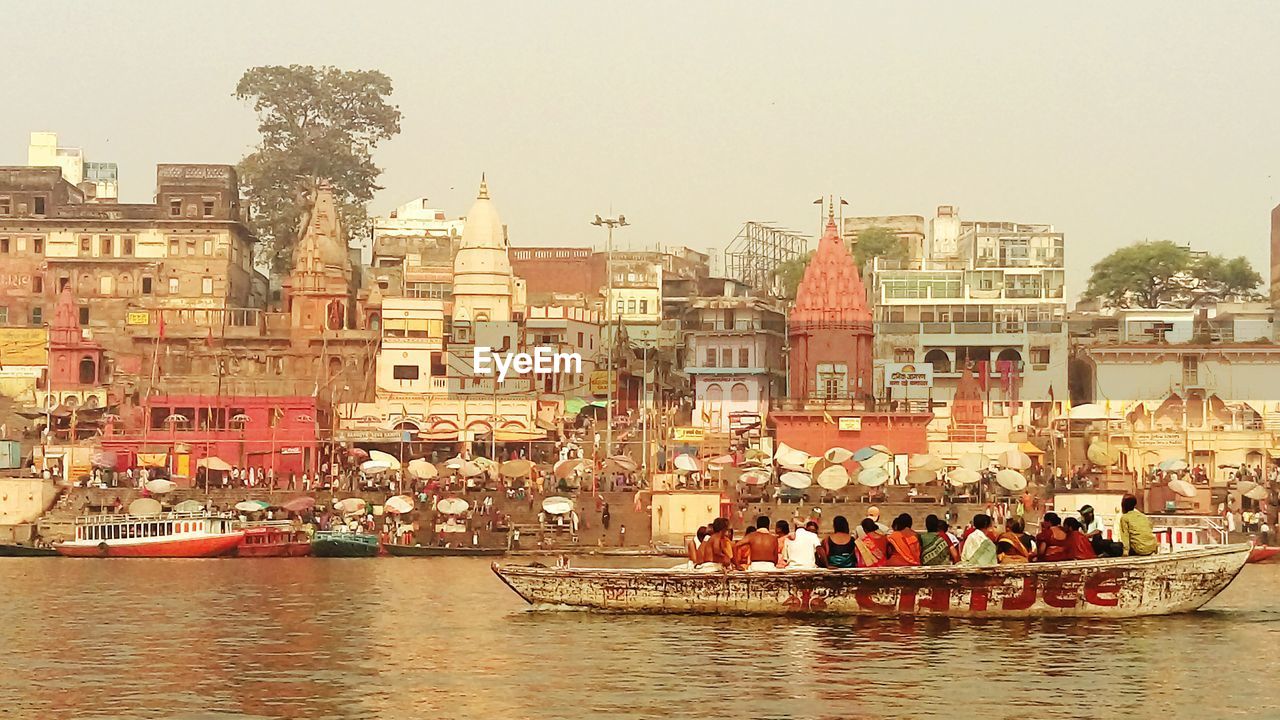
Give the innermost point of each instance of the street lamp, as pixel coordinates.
(610, 223)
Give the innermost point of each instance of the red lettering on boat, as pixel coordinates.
(1103, 589)
(1024, 599)
(1062, 592)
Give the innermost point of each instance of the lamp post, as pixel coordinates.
(610, 224)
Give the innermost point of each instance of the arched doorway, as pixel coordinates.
(1010, 355)
(939, 359)
(88, 372)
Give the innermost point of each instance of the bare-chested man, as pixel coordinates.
(762, 546)
(717, 549)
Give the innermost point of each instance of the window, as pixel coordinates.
(620, 307)
(208, 247)
(437, 364)
(726, 357)
(711, 357)
(579, 339)
(206, 285)
(208, 207)
(175, 207)
(105, 245)
(37, 316)
(173, 286)
(173, 247)
(404, 372)
(88, 373)
(904, 355)
(744, 357)
(631, 305)
(644, 307)
(39, 202)
(84, 315)
(126, 245)
(1190, 370)
(4, 315)
(1039, 356)
(105, 285)
(37, 283)
(37, 245)
(738, 393)
(833, 380)
(4, 245)
(146, 285)
(191, 248)
(85, 243)
(6, 205)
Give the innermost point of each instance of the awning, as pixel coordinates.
(1029, 449)
(439, 436)
(520, 435)
(214, 463)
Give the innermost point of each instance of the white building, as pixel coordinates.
(44, 151)
(420, 242)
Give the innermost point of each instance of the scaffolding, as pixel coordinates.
(758, 250)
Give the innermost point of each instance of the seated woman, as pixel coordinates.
(837, 549)
(1010, 549)
(904, 544)
(1051, 541)
(1078, 545)
(872, 548)
(935, 545)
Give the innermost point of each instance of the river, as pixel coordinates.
(443, 638)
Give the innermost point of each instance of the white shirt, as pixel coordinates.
(972, 545)
(801, 553)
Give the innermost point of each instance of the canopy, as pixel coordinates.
(1103, 454)
(143, 507)
(1258, 493)
(351, 505)
(756, 476)
(1029, 449)
(373, 467)
(964, 476)
(398, 504)
(574, 405)
(1011, 480)
(452, 506)
(972, 461)
(1183, 488)
(873, 476)
(556, 505)
(796, 480)
(787, 455)
(833, 477)
(160, 486)
(520, 435)
(299, 504)
(388, 458)
(921, 476)
(930, 463)
(517, 468)
(687, 463)
(213, 462)
(249, 506)
(1015, 460)
(421, 469)
(565, 468)
(838, 455)
(188, 506)
(1174, 464)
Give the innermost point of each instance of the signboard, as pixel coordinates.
(743, 420)
(23, 346)
(600, 382)
(291, 451)
(370, 435)
(688, 434)
(908, 375)
(1159, 438)
(851, 424)
(138, 317)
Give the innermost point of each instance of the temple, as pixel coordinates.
(484, 288)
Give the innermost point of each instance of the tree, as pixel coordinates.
(315, 124)
(876, 242)
(788, 274)
(1155, 274)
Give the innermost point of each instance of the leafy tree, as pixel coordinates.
(787, 276)
(1155, 274)
(877, 242)
(316, 124)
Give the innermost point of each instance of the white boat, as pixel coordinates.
(1113, 587)
(163, 535)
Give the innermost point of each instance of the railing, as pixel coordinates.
(738, 326)
(968, 328)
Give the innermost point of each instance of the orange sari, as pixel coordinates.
(906, 548)
(1017, 552)
(871, 549)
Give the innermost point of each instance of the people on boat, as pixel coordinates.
(1051, 541)
(1078, 545)
(936, 545)
(1010, 547)
(903, 545)
(782, 531)
(1135, 533)
(761, 547)
(837, 549)
(978, 547)
(873, 547)
(1092, 529)
(873, 514)
(800, 552)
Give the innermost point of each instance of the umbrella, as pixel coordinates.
(471, 469)
(833, 477)
(358, 454)
(1014, 460)
(104, 459)
(625, 462)
(687, 463)
(160, 486)
(299, 504)
(388, 458)
(964, 476)
(455, 462)
(565, 468)
(516, 468)
(865, 453)
(973, 461)
(838, 455)
(188, 506)
(921, 476)
(1183, 488)
(398, 504)
(878, 460)
(756, 476)
(248, 506)
(373, 467)
(143, 507)
(1174, 464)
(351, 505)
(932, 463)
(556, 505)
(720, 461)
(1011, 480)
(1244, 486)
(214, 462)
(1103, 454)
(452, 506)
(873, 476)
(1091, 411)
(757, 456)
(796, 480)
(787, 455)
(421, 469)
(1258, 493)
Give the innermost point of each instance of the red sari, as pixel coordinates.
(905, 548)
(871, 549)
(1051, 543)
(1078, 547)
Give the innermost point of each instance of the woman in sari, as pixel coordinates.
(1010, 549)
(872, 548)
(838, 547)
(935, 546)
(904, 544)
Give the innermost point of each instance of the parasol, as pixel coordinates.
(1011, 480)
(1258, 493)
(388, 458)
(454, 462)
(687, 463)
(421, 469)
(565, 468)
(877, 460)
(556, 505)
(189, 506)
(796, 480)
(248, 506)
(1183, 488)
(471, 468)
(104, 459)
(452, 506)
(1014, 460)
(214, 462)
(921, 476)
(1173, 464)
(351, 505)
(160, 486)
(517, 468)
(1091, 411)
(865, 453)
(1245, 486)
(358, 453)
(973, 461)
(964, 476)
(838, 455)
(1103, 454)
(873, 476)
(142, 507)
(756, 476)
(833, 477)
(931, 463)
(398, 504)
(787, 455)
(373, 467)
(299, 504)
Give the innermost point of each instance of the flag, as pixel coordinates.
(827, 417)
(706, 416)
(843, 201)
(818, 201)
(161, 326)
(208, 341)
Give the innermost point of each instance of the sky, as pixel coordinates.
(1115, 122)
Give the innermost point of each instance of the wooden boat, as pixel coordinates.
(427, 551)
(164, 535)
(334, 543)
(15, 550)
(273, 539)
(1260, 554)
(1115, 587)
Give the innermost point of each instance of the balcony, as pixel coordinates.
(967, 329)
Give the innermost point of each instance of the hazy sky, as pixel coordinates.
(1113, 121)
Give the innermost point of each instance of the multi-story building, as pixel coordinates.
(989, 296)
(909, 228)
(413, 249)
(98, 180)
(565, 329)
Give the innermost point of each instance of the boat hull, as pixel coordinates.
(338, 546)
(419, 551)
(1260, 554)
(1118, 587)
(26, 551)
(200, 547)
(289, 549)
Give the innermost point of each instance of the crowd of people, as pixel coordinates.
(778, 546)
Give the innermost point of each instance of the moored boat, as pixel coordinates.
(16, 550)
(163, 535)
(335, 543)
(430, 551)
(273, 539)
(1114, 587)
(1264, 554)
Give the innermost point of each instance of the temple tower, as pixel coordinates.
(319, 287)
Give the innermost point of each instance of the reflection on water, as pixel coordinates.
(441, 637)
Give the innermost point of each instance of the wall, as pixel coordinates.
(1242, 376)
(1275, 257)
(677, 514)
(756, 402)
(23, 500)
(809, 431)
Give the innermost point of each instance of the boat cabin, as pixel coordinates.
(106, 528)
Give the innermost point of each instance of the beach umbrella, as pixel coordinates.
(787, 455)
(143, 507)
(104, 459)
(351, 505)
(838, 455)
(720, 461)
(756, 476)
(421, 469)
(1173, 464)
(1091, 411)
(388, 458)
(796, 480)
(755, 455)
(931, 463)
(920, 476)
(452, 506)
(1244, 486)
(1014, 460)
(160, 486)
(189, 506)
(356, 453)
(517, 468)
(964, 476)
(471, 469)
(687, 463)
(972, 461)
(1258, 493)
(833, 477)
(299, 504)
(864, 453)
(373, 467)
(398, 504)
(1183, 488)
(556, 505)
(248, 506)
(454, 462)
(1103, 454)
(214, 462)
(1011, 480)
(876, 461)
(873, 476)
(565, 468)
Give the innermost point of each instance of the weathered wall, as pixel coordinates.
(23, 500)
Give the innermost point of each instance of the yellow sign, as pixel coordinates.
(688, 434)
(600, 382)
(138, 317)
(23, 346)
(851, 424)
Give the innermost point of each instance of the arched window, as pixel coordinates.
(375, 322)
(1009, 354)
(335, 366)
(337, 315)
(939, 360)
(88, 372)
(714, 395)
(125, 287)
(738, 393)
